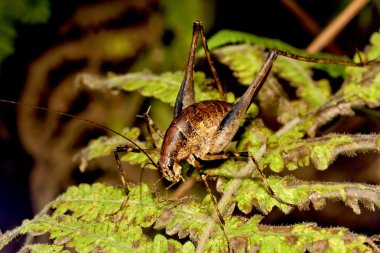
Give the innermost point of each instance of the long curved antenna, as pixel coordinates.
(82, 119)
(142, 171)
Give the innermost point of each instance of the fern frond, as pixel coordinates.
(246, 60)
(164, 86)
(321, 151)
(295, 153)
(352, 96)
(81, 220)
(303, 193)
(104, 146)
(299, 75)
(71, 225)
(227, 37)
(43, 248)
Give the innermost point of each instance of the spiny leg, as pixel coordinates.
(231, 122)
(196, 164)
(322, 60)
(210, 62)
(123, 177)
(185, 95)
(150, 124)
(122, 174)
(228, 155)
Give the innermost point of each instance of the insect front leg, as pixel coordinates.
(122, 174)
(193, 161)
(150, 124)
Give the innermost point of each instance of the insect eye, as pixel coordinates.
(170, 164)
(165, 164)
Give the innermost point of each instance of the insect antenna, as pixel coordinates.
(158, 180)
(117, 149)
(143, 169)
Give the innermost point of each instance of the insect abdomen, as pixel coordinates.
(193, 130)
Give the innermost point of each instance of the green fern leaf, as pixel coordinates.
(89, 236)
(373, 51)
(254, 137)
(85, 218)
(89, 202)
(321, 151)
(299, 75)
(308, 237)
(104, 146)
(164, 86)
(361, 89)
(43, 248)
(249, 235)
(294, 153)
(245, 61)
(99, 202)
(253, 193)
(352, 96)
(227, 37)
(80, 220)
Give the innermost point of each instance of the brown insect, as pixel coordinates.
(201, 131)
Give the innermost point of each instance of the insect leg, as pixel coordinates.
(150, 124)
(228, 155)
(196, 164)
(210, 62)
(185, 95)
(323, 60)
(231, 122)
(122, 174)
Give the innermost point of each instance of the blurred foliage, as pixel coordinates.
(14, 12)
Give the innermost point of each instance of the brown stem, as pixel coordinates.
(333, 29)
(309, 23)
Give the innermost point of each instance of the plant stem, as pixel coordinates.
(333, 29)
